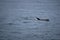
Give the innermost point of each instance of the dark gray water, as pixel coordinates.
(18, 20)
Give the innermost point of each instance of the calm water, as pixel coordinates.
(18, 20)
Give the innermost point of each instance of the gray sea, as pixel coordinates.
(18, 20)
